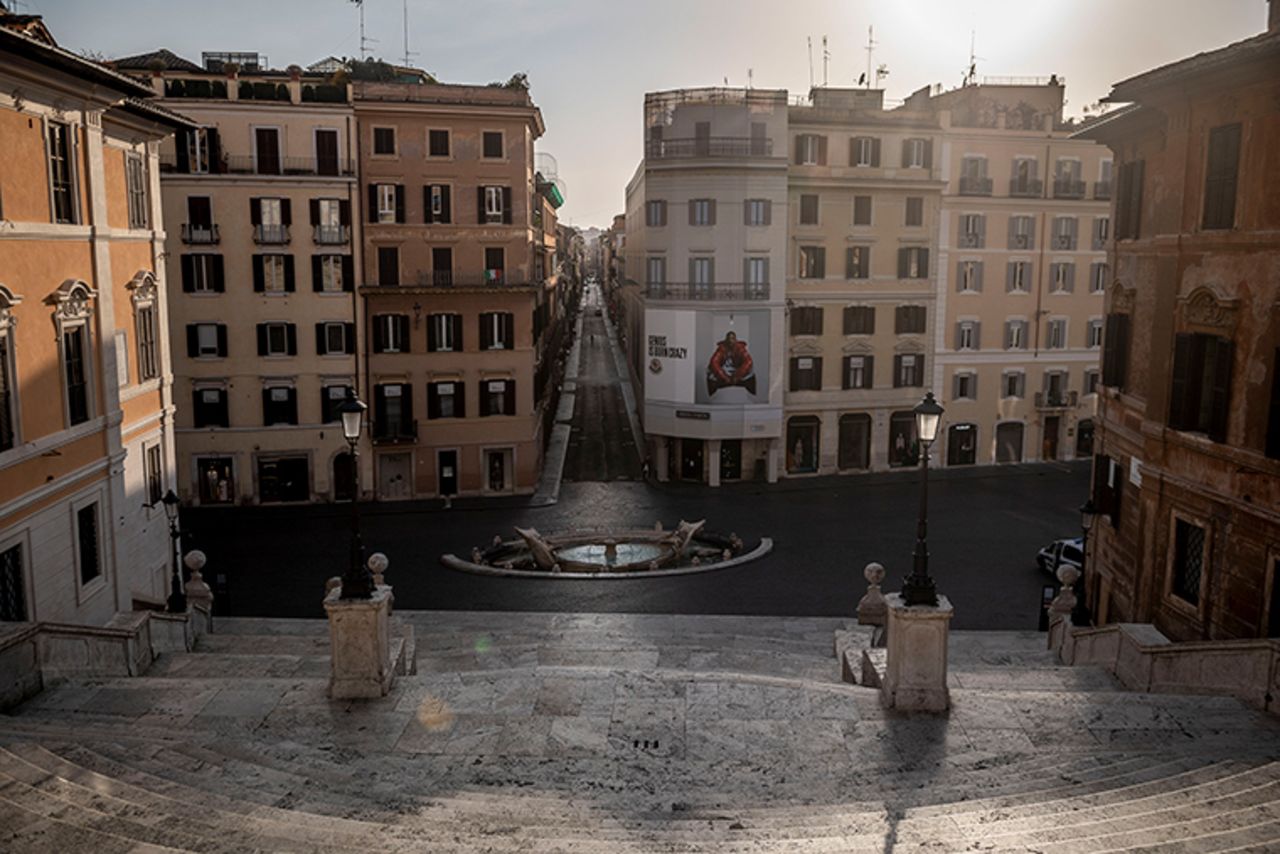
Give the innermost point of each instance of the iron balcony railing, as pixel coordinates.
(1021, 188)
(200, 233)
(971, 185)
(271, 234)
(1068, 188)
(705, 291)
(247, 164)
(450, 279)
(331, 234)
(395, 432)
(1064, 242)
(1102, 190)
(1056, 399)
(971, 240)
(1021, 241)
(709, 146)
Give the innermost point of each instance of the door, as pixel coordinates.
(1009, 442)
(442, 265)
(962, 444)
(267, 147)
(1049, 445)
(326, 152)
(691, 459)
(284, 479)
(447, 466)
(496, 466)
(217, 485)
(731, 459)
(394, 471)
(1084, 439)
(343, 476)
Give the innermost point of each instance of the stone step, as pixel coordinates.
(1258, 826)
(27, 831)
(245, 644)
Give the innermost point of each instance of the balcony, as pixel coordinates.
(1021, 241)
(331, 235)
(200, 233)
(1046, 400)
(709, 146)
(246, 164)
(451, 279)
(1023, 188)
(975, 186)
(395, 433)
(1064, 242)
(724, 291)
(1102, 190)
(1068, 188)
(271, 234)
(970, 241)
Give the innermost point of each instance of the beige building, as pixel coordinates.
(458, 287)
(258, 209)
(1021, 248)
(864, 186)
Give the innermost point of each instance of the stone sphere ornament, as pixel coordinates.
(195, 560)
(378, 564)
(1068, 575)
(874, 573)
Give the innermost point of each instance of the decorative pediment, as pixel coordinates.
(858, 348)
(1204, 306)
(143, 287)
(8, 299)
(909, 345)
(1121, 298)
(72, 300)
(806, 348)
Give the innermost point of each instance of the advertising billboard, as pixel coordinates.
(712, 358)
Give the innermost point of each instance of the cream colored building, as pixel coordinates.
(259, 205)
(1021, 272)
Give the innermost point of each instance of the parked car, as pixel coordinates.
(1069, 551)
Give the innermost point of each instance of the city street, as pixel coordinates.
(601, 446)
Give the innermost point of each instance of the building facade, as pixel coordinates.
(258, 204)
(86, 398)
(458, 287)
(706, 231)
(1187, 477)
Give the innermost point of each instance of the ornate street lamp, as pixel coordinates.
(1080, 615)
(177, 598)
(356, 582)
(919, 589)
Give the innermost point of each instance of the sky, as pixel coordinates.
(590, 62)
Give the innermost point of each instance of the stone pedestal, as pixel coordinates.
(360, 664)
(916, 673)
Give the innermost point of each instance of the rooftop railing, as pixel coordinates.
(725, 291)
(709, 146)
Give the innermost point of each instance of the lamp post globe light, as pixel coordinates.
(356, 581)
(919, 588)
(177, 598)
(1080, 614)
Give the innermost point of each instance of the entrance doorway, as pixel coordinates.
(447, 467)
(284, 479)
(730, 459)
(394, 476)
(802, 444)
(962, 445)
(1049, 444)
(343, 474)
(1084, 439)
(691, 459)
(217, 484)
(1009, 442)
(496, 468)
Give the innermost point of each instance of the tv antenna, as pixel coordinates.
(826, 57)
(364, 40)
(971, 75)
(407, 53)
(871, 46)
(750, 77)
(809, 39)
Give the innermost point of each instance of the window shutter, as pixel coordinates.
(480, 205)
(262, 339)
(868, 371)
(1010, 276)
(379, 334)
(320, 340)
(291, 334)
(977, 335)
(446, 204)
(1069, 277)
(712, 212)
(181, 141)
(853, 151)
(373, 203)
(193, 340)
(188, 274)
(399, 202)
(959, 276)
(402, 327)
(509, 330)
(426, 204)
(348, 273)
(1220, 403)
(977, 276)
(506, 205)
(822, 151)
(906, 153)
(433, 337)
(255, 211)
(456, 319)
(314, 206)
(955, 386)
(486, 331)
(959, 333)
(768, 211)
(799, 149)
(902, 263)
(286, 212)
(380, 406)
(897, 371)
(849, 270)
(692, 217)
(928, 154)
(511, 397)
(222, 339)
(844, 371)
(433, 401)
(258, 279)
(288, 274)
(344, 212)
(219, 281)
(406, 406)
(794, 380)
(317, 276)
(875, 151)
(746, 215)
(266, 407)
(924, 263)
(1178, 395)
(1008, 334)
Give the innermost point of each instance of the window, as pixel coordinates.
(386, 203)
(136, 186)
(444, 333)
(973, 177)
(806, 320)
(277, 339)
(915, 211)
(813, 262)
(969, 277)
(390, 333)
(497, 330)
(8, 389)
(1021, 232)
(1015, 334)
(209, 407)
(1057, 334)
(858, 371)
(1062, 278)
(702, 274)
(217, 484)
(902, 439)
(62, 172)
(857, 262)
(1024, 182)
(917, 154)
(1129, 201)
(335, 338)
(198, 146)
(331, 219)
(437, 203)
(153, 471)
(76, 374)
(445, 400)
(279, 405)
(437, 143)
(968, 335)
(806, 373)
(1188, 560)
(1055, 388)
(273, 274)
(973, 231)
(655, 270)
(388, 265)
(266, 143)
(148, 358)
(860, 320)
(493, 147)
(270, 214)
(330, 274)
(442, 265)
(908, 370)
(1115, 354)
(1093, 334)
(811, 150)
(497, 397)
(702, 212)
(757, 212)
(1018, 277)
(1101, 232)
(965, 385)
(913, 262)
(495, 263)
(1064, 232)
(1014, 384)
(909, 320)
(384, 140)
(1221, 169)
(494, 207)
(804, 435)
(1098, 274)
(393, 411)
(1201, 385)
(206, 340)
(202, 274)
(87, 546)
(1091, 380)
(757, 277)
(864, 151)
(862, 210)
(13, 586)
(808, 210)
(1066, 179)
(331, 399)
(655, 213)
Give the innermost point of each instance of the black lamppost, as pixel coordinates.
(177, 598)
(919, 589)
(1080, 614)
(356, 582)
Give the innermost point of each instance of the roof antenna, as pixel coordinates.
(971, 76)
(871, 46)
(809, 39)
(826, 57)
(364, 41)
(750, 77)
(407, 53)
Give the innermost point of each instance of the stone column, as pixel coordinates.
(360, 664)
(713, 462)
(916, 674)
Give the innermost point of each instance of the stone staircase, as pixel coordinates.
(585, 733)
